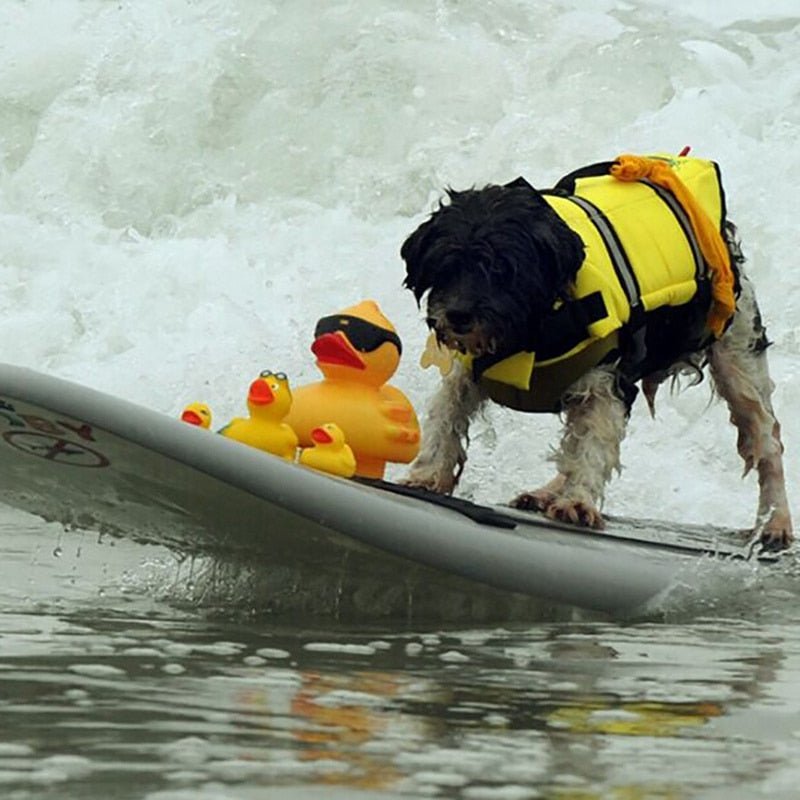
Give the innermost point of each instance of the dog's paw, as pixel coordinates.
(431, 482)
(576, 512)
(563, 509)
(538, 500)
(777, 532)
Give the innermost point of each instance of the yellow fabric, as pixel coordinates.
(660, 255)
(659, 171)
(659, 252)
(596, 273)
(550, 379)
(515, 370)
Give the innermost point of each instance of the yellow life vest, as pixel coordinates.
(648, 242)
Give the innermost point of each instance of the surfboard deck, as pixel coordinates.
(96, 462)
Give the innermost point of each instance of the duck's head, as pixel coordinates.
(357, 344)
(269, 396)
(197, 414)
(328, 435)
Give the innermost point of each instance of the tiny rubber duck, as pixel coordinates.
(268, 401)
(357, 351)
(198, 414)
(329, 453)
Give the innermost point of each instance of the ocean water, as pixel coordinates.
(185, 188)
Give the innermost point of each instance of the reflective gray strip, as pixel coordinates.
(683, 220)
(616, 252)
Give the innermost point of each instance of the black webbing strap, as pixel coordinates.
(480, 514)
(567, 184)
(560, 331)
(565, 327)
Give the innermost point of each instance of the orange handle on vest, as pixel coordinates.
(712, 245)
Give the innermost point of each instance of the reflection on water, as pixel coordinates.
(123, 675)
(146, 702)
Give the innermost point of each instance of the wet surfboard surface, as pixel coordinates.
(95, 462)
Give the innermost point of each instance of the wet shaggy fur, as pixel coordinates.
(489, 264)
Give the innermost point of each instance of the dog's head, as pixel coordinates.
(492, 262)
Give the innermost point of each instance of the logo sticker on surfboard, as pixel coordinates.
(46, 438)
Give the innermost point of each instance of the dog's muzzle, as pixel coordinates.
(461, 331)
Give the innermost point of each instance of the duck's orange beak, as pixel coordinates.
(334, 348)
(260, 394)
(321, 436)
(192, 417)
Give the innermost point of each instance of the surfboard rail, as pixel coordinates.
(93, 461)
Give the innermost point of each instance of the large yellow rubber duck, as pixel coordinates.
(329, 453)
(357, 351)
(198, 414)
(268, 401)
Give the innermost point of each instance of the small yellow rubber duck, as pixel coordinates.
(329, 452)
(268, 401)
(358, 351)
(198, 414)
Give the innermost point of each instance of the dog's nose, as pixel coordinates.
(458, 320)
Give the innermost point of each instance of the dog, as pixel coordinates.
(511, 274)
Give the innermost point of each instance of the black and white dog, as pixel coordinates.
(491, 263)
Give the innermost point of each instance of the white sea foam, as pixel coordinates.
(342, 648)
(96, 670)
(185, 189)
(273, 653)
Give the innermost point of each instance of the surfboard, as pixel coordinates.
(95, 462)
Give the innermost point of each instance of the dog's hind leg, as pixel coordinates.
(445, 433)
(595, 418)
(738, 365)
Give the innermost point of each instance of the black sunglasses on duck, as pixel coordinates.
(363, 335)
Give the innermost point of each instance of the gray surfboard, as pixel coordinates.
(95, 462)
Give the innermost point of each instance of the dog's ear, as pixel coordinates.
(411, 252)
(536, 237)
(422, 252)
(558, 245)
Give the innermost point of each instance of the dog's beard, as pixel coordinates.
(476, 329)
(474, 339)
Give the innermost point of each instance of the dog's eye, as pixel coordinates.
(496, 266)
(459, 318)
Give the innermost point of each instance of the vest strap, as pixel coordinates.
(567, 326)
(567, 184)
(562, 329)
(616, 251)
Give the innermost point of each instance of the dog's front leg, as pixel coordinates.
(445, 433)
(594, 427)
